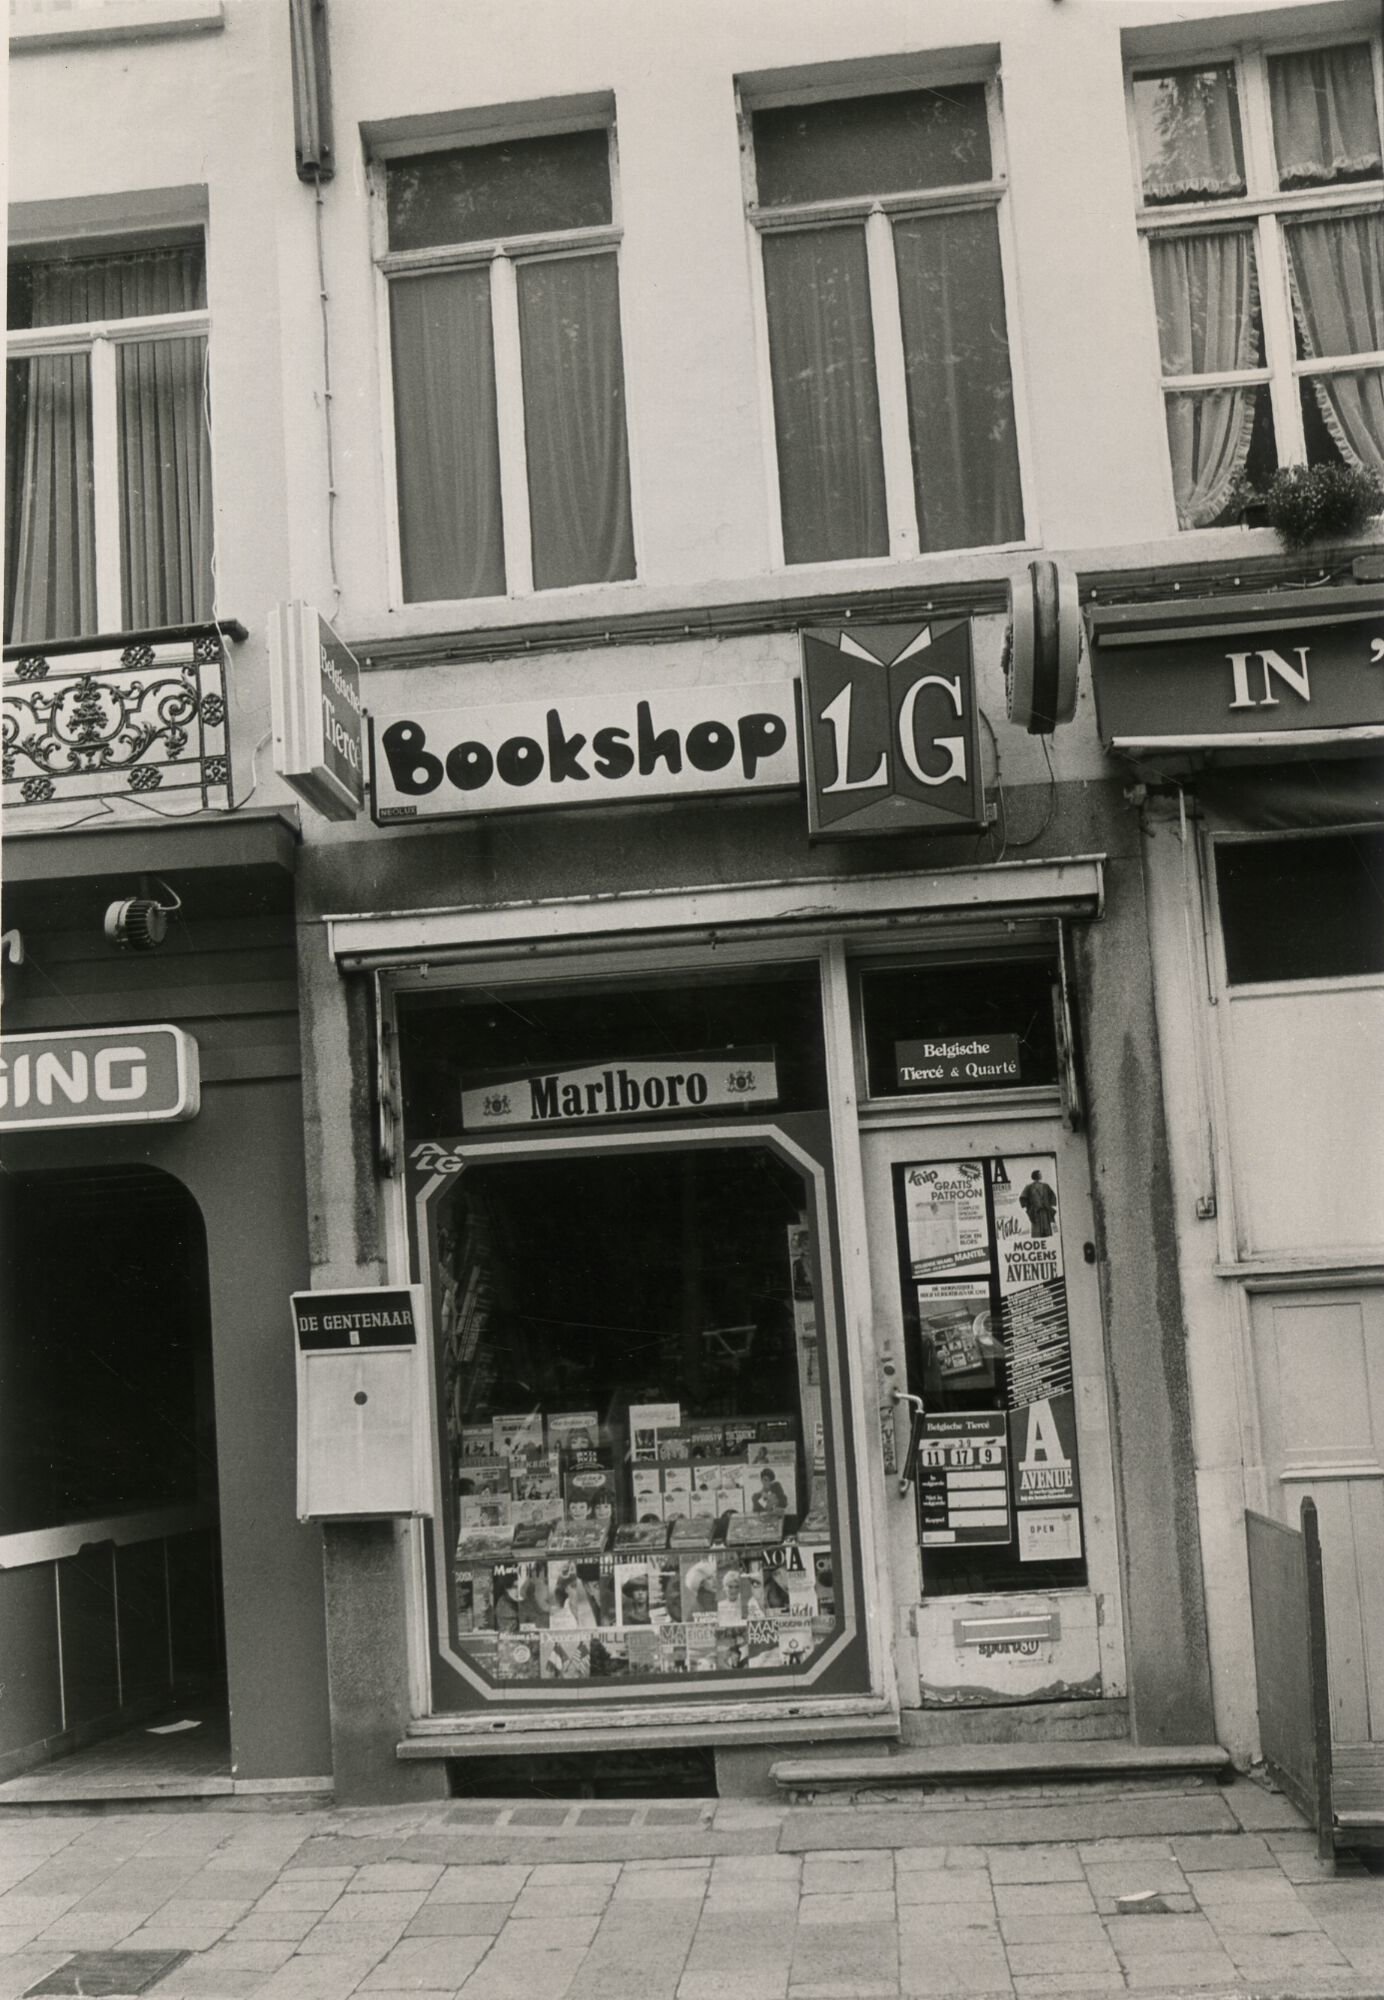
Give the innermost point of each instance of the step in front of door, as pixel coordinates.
(953, 1764)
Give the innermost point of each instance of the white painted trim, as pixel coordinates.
(861, 1358)
(105, 487)
(73, 337)
(555, 1721)
(891, 386)
(1260, 739)
(1073, 885)
(509, 419)
(457, 256)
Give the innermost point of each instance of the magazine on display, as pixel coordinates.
(518, 1434)
(610, 1654)
(564, 1656)
(647, 1422)
(475, 1598)
(643, 1535)
(581, 1593)
(486, 1516)
(573, 1430)
(483, 1476)
(517, 1656)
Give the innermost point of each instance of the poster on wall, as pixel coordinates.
(982, 1251)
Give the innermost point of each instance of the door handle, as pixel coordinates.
(915, 1436)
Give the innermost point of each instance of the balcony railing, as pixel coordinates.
(130, 715)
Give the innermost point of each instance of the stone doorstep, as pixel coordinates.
(1001, 1763)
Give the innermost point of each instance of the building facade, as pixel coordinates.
(831, 1068)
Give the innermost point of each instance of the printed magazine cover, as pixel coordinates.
(475, 1598)
(564, 1656)
(517, 1657)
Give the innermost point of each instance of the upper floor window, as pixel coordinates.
(509, 401)
(1260, 183)
(884, 292)
(108, 500)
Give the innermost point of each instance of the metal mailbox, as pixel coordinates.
(363, 1405)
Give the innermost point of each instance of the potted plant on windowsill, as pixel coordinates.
(1313, 503)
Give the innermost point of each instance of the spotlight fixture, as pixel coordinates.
(140, 923)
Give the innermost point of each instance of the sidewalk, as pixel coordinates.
(962, 1894)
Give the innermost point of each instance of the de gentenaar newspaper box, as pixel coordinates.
(363, 1408)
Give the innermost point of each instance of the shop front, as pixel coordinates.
(768, 1274)
(1264, 836)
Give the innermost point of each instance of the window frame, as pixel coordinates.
(878, 212)
(500, 256)
(1214, 842)
(98, 340)
(1263, 207)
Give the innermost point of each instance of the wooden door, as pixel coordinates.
(1319, 1369)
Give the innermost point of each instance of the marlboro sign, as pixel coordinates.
(667, 1088)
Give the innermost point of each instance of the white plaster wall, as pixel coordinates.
(212, 110)
(1224, 1425)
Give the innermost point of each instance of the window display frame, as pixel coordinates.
(846, 1673)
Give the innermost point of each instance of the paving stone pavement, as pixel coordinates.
(1212, 1891)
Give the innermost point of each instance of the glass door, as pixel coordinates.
(1002, 1541)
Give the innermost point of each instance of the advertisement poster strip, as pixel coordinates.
(982, 1247)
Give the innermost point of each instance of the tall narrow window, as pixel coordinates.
(1260, 184)
(888, 337)
(509, 402)
(108, 501)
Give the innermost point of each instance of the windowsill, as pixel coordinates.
(35, 28)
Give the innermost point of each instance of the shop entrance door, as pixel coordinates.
(1003, 1549)
(1319, 1369)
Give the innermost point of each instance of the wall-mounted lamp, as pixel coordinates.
(140, 923)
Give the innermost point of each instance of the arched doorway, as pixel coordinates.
(108, 1485)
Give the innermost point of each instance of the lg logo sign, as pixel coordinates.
(890, 730)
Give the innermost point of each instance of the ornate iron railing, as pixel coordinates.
(135, 715)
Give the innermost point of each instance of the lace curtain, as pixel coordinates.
(1326, 128)
(1188, 128)
(164, 453)
(1204, 291)
(1325, 125)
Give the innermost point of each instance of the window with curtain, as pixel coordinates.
(893, 405)
(108, 500)
(1260, 186)
(511, 461)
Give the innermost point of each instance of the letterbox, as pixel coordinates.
(363, 1406)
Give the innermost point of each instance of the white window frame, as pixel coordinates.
(1263, 206)
(98, 340)
(878, 213)
(503, 256)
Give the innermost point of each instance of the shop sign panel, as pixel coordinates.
(589, 750)
(314, 684)
(963, 1480)
(98, 1076)
(1254, 674)
(955, 1062)
(891, 730)
(377, 1317)
(670, 1086)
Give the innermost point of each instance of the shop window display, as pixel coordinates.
(631, 1380)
